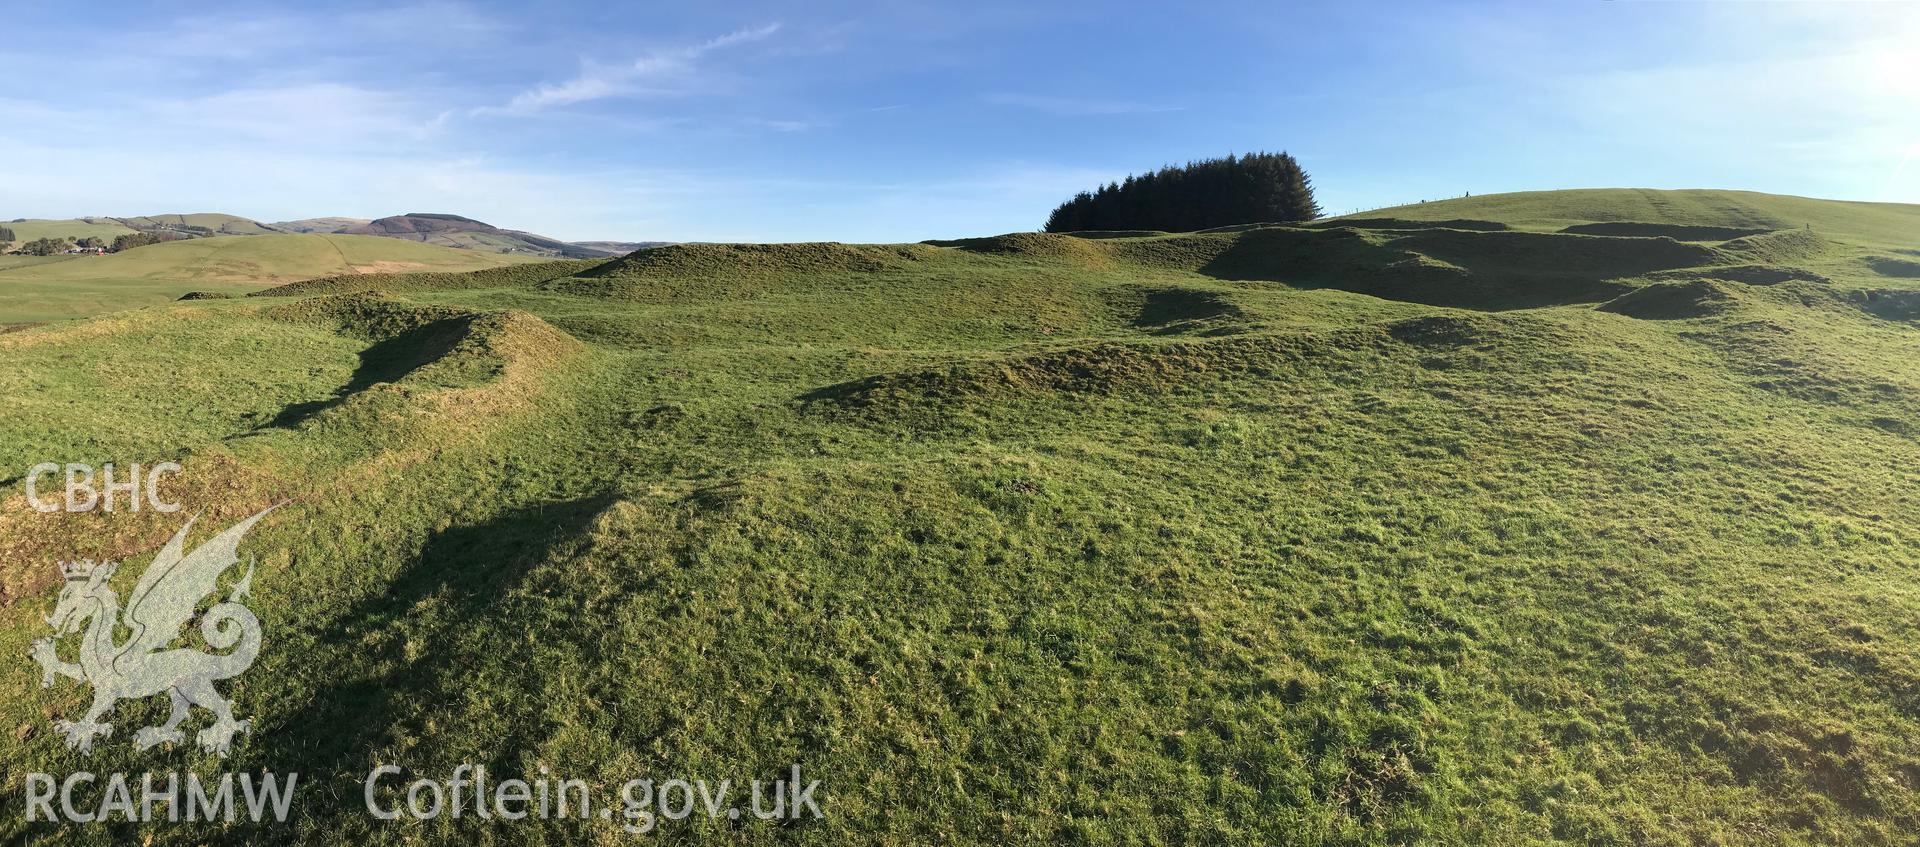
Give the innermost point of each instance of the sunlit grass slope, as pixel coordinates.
(211, 222)
(1331, 535)
(160, 272)
(31, 229)
(1879, 224)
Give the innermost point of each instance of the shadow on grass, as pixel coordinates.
(1169, 311)
(388, 360)
(1480, 270)
(470, 573)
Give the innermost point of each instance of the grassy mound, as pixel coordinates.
(1894, 305)
(380, 318)
(1488, 269)
(1747, 274)
(709, 260)
(509, 276)
(1097, 369)
(1044, 245)
(1098, 234)
(1888, 266)
(1786, 246)
(1678, 232)
(428, 347)
(1663, 301)
(1402, 223)
(1532, 253)
(696, 271)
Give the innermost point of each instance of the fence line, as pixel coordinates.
(1397, 205)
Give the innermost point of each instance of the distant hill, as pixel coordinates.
(30, 229)
(321, 225)
(200, 224)
(72, 286)
(469, 234)
(197, 225)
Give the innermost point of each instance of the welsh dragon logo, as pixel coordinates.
(144, 664)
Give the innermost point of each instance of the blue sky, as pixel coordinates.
(897, 121)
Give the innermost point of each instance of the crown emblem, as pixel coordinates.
(81, 569)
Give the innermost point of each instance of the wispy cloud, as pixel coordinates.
(271, 37)
(335, 117)
(663, 71)
(1076, 106)
(778, 125)
(321, 114)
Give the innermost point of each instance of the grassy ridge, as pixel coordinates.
(213, 222)
(32, 229)
(1223, 538)
(205, 223)
(508, 276)
(1873, 224)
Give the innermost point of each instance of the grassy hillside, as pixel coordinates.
(30, 229)
(468, 234)
(210, 223)
(1330, 535)
(194, 225)
(330, 224)
(158, 273)
(1872, 224)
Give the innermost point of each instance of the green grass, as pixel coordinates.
(1213, 539)
(10, 262)
(32, 229)
(216, 223)
(1871, 224)
(109, 228)
(158, 273)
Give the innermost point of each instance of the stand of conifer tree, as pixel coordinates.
(1255, 188)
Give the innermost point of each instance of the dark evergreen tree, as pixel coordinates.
(46, 246)
(134, 239)
(1255, 188)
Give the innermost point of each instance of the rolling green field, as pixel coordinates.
(1866, 224)
(30, 229)
(1363, 532)
(107, 228)
(75, 286)
(212, 222)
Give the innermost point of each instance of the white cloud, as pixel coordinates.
(663, 71)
